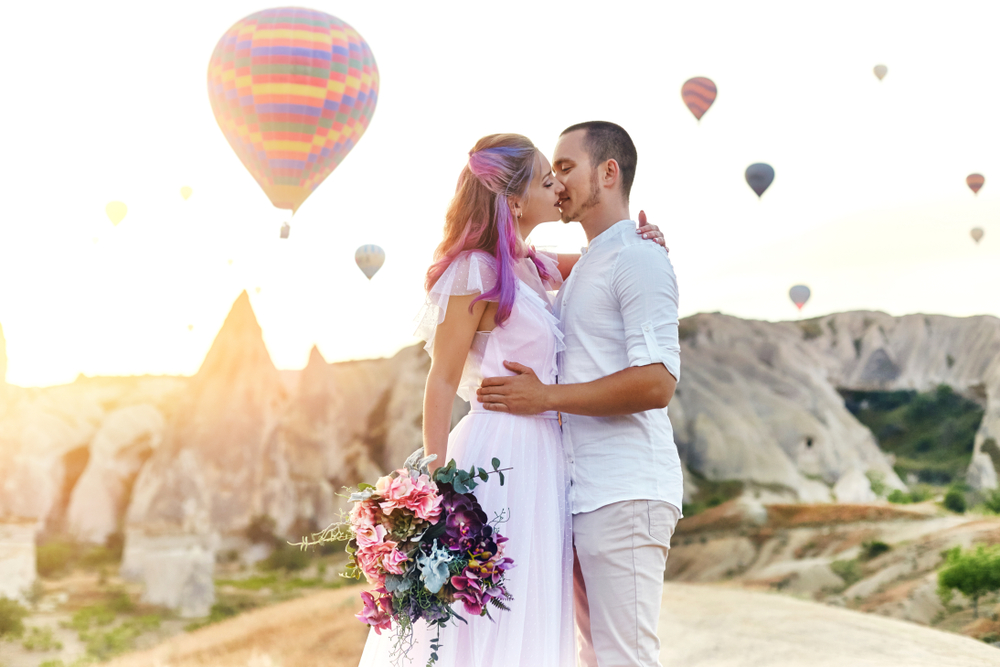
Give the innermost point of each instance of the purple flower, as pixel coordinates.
(466, 522)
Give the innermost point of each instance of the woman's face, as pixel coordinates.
(543, 194)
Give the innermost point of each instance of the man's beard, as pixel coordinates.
(593, 200)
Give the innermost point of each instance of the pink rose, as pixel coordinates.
(392, 562)
(394, 490)
(365, 513)
(424, 499)
(377, 611)
(368, 536)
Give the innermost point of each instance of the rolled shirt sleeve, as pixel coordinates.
(644, 283)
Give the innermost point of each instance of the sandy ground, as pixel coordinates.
(701, 626)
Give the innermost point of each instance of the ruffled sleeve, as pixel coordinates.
(550, 261)
(472, 272)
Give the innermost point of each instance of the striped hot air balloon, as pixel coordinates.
(698, 94)
(370, 259)
(975, 181)
(293, 91)
(976, 234)
(881, 71)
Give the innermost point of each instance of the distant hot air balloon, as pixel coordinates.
(370, 259)
(977, 234)
(975, 181)
(116, 211)
(698, 94)
(880, 71)
(759, 176)
(285, 228)
(186, 192)
(256, 289)
(293, 90)
(190, 327)
(799, 294)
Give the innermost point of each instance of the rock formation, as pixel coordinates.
(875, 351)
(124, 441)
(755, 403)
(209, 475)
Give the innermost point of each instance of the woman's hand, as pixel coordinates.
(651, 232)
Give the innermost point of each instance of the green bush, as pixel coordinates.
(972, 573)
(873, 549)
(222, 610)
(53, 558)
(11, 618)
(992, 501)
(41, 639)
(848, 570)
(120, 639)
(285, 557)
(954, 500)
(899, 497)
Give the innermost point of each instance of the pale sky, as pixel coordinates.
(869, 205)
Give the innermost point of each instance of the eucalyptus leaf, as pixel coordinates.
(495, 462)
(501, 478)
(483, 476)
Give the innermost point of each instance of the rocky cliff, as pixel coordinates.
(195, 459)
(871, 350)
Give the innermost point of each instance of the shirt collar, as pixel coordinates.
(608, 233)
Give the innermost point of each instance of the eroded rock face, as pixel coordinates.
(755, 403)
(875, 351)
(126, 438)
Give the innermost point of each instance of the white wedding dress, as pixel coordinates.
(538, 630)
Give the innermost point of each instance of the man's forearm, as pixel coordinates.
(632, 390)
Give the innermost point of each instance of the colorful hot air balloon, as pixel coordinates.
(799, 294)
(759, 177)
(370, 259)
(698, 94)
(116, 211)
(977, 234)
(293, 91)
(881, 71)
(975, 181)
(186, 192)
(285, 228)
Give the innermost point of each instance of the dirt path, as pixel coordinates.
(701, 626)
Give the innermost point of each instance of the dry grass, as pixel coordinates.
(315, 631)
(799, 516)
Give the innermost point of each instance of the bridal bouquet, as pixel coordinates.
(424, 543)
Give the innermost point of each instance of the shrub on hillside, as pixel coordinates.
(261, 530)
(873, 549)
(972, 573)
(848, 570)
(285, 557)
(53, 558)
(992, 501)
(954, 500)
(11, 618)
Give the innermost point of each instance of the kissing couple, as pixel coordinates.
(570, 393)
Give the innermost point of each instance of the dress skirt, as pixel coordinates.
(538, 629)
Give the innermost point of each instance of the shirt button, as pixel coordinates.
(645, 327)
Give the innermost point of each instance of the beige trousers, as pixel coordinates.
(620, 555)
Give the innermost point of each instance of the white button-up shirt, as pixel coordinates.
(619, 309)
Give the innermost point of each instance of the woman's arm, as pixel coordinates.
(452, 343)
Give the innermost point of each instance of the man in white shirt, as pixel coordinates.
(618, 312)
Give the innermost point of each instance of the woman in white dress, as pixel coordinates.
(488, 301)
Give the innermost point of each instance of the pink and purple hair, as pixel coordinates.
(479, 216)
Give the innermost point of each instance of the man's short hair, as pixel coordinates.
(607, 141)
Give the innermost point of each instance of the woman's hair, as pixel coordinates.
(479, 216)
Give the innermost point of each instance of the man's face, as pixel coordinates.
(572, 168)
